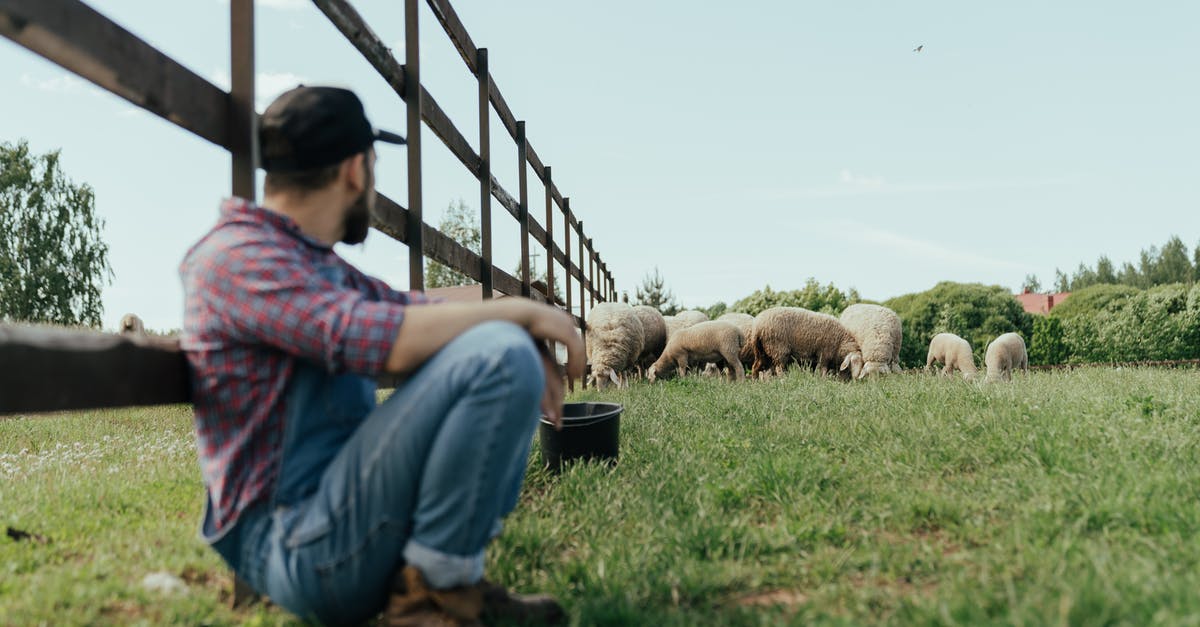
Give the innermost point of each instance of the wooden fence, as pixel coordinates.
(85, 42)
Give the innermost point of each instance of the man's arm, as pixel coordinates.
(427, 328)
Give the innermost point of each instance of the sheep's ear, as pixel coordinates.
(612, 374)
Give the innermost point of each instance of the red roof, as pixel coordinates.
(1040, 303)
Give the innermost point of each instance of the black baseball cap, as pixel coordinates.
(312, 127)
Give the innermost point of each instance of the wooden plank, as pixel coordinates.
(502, 111)
(566, 202)
(57, 369)
(551, 259)
(454, 27)
(355, 29)
(83, 41)
(441, 125)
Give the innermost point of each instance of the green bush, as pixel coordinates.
(1047, 345)
(977, 313)
(1090, 300)
(1159, 323)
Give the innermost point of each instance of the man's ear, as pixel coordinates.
(354, 172)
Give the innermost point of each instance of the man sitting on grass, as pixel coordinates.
(319, 498)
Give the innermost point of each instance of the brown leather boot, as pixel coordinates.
(414, 604)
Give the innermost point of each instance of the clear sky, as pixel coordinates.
(732, 145)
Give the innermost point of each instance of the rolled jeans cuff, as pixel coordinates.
(443, 570)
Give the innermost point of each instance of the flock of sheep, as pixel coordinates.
(626, 341)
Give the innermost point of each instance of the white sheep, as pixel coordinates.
(1004, 354)
(878, 332)
(131, 324)
(745, 323)
(683, 320)
(613, 341)
(711, 341)
(954, 352)
(654, 335)
(781, 334)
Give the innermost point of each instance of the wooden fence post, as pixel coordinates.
(412, 96)
(582, 274)
(567, 248)
(243, 140)
(485, 170)
(523, 207)
(550, 297)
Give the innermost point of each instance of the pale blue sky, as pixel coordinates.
(730, 144)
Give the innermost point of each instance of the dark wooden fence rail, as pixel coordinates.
(85, 42)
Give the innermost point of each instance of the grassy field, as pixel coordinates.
(1062, 498)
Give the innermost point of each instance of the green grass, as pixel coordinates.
(1062, 498)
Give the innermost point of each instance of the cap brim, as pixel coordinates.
(389, 137)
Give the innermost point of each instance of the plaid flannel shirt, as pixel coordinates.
(256, 302)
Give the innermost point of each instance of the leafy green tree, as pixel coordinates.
(460, 224)
(715, 310)
(537, 275)
(1031, 284)
(1093, 299)
(813, 296)
(653, 292)
(53, 262)
(1104, 271)
(977, 313)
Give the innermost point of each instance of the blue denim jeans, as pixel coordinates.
(423, 479)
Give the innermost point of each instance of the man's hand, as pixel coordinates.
(547, 324)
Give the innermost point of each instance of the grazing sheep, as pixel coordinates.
(878, 332)
(1005, 354)
(782, 334)
(131, 324)
(654, 335)
(683, 320)
(614, 341)
(954, 352)
(745, 323)
(713, 341)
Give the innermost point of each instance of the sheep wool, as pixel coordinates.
(714, 341)
(783, 334)
(614, 342)
(745, 323)
(1005, 354)
(878, 332)
(954, 352)
(654, 335)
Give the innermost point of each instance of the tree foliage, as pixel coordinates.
(977, 313)
(1155, 266)
(653, 292)
(53, 262)
(1107, 325)
(813, 296)
(461, 224)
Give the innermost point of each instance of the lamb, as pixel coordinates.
(712, 341)
(1004, 354)
(878, 332)
(783, 333)
(614, 342)
(654, 335)
(745, 323)
(683, 320)
(131, 324)
(954, 352)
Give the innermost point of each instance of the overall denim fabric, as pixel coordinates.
(424, 479)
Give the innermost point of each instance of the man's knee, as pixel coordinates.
(515, 349)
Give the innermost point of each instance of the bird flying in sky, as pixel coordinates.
(918, 48)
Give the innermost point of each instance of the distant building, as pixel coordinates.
(1035, 303)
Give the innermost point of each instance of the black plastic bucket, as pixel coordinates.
(589, 431)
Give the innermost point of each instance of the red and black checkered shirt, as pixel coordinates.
(256, 301)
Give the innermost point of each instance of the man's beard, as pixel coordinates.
(357, 222)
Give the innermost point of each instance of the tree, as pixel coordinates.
(653, 292)
(538, 275)
(1062, 283)
(1031, 284)
(460, 224)
(53, 262)
(814, 296)
(977, 313)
